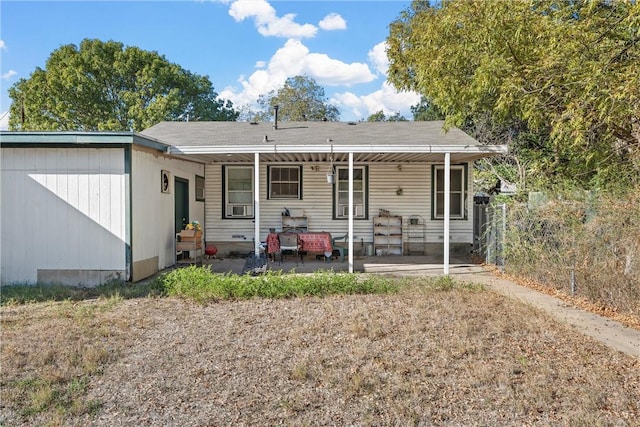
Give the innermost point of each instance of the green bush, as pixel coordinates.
(202, 285)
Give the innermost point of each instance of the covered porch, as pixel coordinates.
(402, 167)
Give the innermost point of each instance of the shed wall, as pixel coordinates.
(153, 212)
(63, 215)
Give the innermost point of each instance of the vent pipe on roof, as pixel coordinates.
(275, 117)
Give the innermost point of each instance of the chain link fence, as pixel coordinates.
(588, 247)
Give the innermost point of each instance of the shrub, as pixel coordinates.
(202, 285)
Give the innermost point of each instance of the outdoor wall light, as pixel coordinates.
(399, 191)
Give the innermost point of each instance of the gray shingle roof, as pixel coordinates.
(307, 133)
(319, 141)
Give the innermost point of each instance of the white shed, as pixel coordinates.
(82, 208)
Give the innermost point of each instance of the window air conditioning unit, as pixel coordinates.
(238, 210)
(345, 210)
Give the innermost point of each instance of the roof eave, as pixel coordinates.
(372, 148)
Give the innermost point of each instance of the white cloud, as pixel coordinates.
(387, 99)
(294, 59)
(378, 57)
(261, 64)
(8, 75)
(2, 45)
(4, 120)
(267, 22)
(333, 21)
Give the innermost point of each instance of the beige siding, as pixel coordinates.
(153, 234)
(62, 210)
(384, 181)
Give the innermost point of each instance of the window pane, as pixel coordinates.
(456, 180)
(293, 174)
(242, 198)
(275, 174)
(239, 173)
(455, 205)
(440, 179)
(276, 190)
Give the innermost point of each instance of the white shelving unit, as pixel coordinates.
(416, 232)
(387, 235)
(295, 223)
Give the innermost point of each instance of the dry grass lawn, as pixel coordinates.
(419, 357)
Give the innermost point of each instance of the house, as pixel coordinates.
(111, 203)
(256, 171)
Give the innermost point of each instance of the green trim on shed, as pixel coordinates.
(75, 139)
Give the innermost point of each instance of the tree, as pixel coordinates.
(300, 99)
(566, 72)
(105, 86)
(426, 110)
(381, 117)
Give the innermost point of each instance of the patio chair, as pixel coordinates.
(342, 251)
(289, 242)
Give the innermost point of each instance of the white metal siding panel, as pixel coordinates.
(153, 212)
(51, 211)
(384, 181)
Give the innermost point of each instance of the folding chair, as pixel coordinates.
(289, 242)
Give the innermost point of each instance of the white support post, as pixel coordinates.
(256, 203)
(350, 245)
(447, 201)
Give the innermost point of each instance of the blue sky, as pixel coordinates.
(246, 47)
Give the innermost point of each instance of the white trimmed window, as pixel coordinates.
(285, 182)
(359, 192)
(457, 209)
(238, 191)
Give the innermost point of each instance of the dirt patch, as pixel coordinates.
(461, 357)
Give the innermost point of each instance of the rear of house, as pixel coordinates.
(256, 173)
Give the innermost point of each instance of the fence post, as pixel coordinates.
(503, 236)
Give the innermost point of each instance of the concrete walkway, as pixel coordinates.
(603, 329)
(609, 332)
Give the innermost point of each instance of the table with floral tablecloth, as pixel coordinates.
(316, 242)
